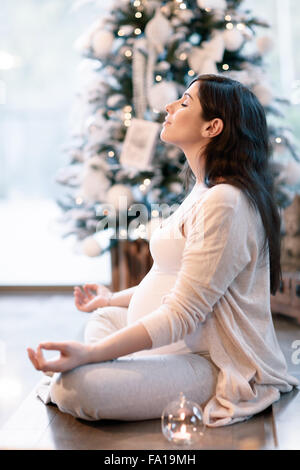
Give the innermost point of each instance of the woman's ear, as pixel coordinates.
(214, 128)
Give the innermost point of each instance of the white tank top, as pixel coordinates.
(166, 247)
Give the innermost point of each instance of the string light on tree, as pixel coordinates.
(229, 26)
(127, 115)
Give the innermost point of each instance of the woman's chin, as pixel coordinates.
(164, 136)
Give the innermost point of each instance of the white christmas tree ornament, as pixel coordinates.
(91, 247)
(119, 195)
(102, 41)
(161, 94)
(158, 31)
(233, 39)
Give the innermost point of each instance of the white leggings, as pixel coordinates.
(132, 387)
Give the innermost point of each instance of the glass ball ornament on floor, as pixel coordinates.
(182, 422)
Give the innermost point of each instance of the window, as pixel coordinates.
(37, 60)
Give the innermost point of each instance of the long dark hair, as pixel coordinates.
(240, 154)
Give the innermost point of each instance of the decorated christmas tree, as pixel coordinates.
(136, 58)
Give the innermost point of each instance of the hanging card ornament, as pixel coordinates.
(139, 143)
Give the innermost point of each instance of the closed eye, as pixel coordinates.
(185, 105)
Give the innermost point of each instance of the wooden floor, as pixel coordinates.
(36, 426)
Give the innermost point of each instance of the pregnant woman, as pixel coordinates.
(200, 321)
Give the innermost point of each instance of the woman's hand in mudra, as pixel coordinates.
(72, 354)
(91, 297)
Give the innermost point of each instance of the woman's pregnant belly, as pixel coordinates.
(149, 293)
(147, 298)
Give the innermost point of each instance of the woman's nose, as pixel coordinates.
(168, 108)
